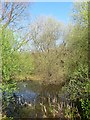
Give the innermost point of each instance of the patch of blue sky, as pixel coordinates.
(59, 10)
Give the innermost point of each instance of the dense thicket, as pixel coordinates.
(59, 55)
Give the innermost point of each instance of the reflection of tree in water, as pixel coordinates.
(49, 103)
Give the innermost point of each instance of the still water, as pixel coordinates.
(35, 100)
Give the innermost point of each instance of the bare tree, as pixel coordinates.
(11, 13)
(45, 34)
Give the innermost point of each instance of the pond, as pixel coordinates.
(35, 100)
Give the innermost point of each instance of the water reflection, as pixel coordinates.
(35, 100)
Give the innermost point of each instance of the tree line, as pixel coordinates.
(59, 52)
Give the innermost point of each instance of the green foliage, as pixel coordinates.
(78, 89)
(25, 64)
(71, 113)
(7, 118)
(78, 83)
(85, 103)
(54, 62)
(8, 56)
(8, 64)
(80, 13)
(13, 63)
